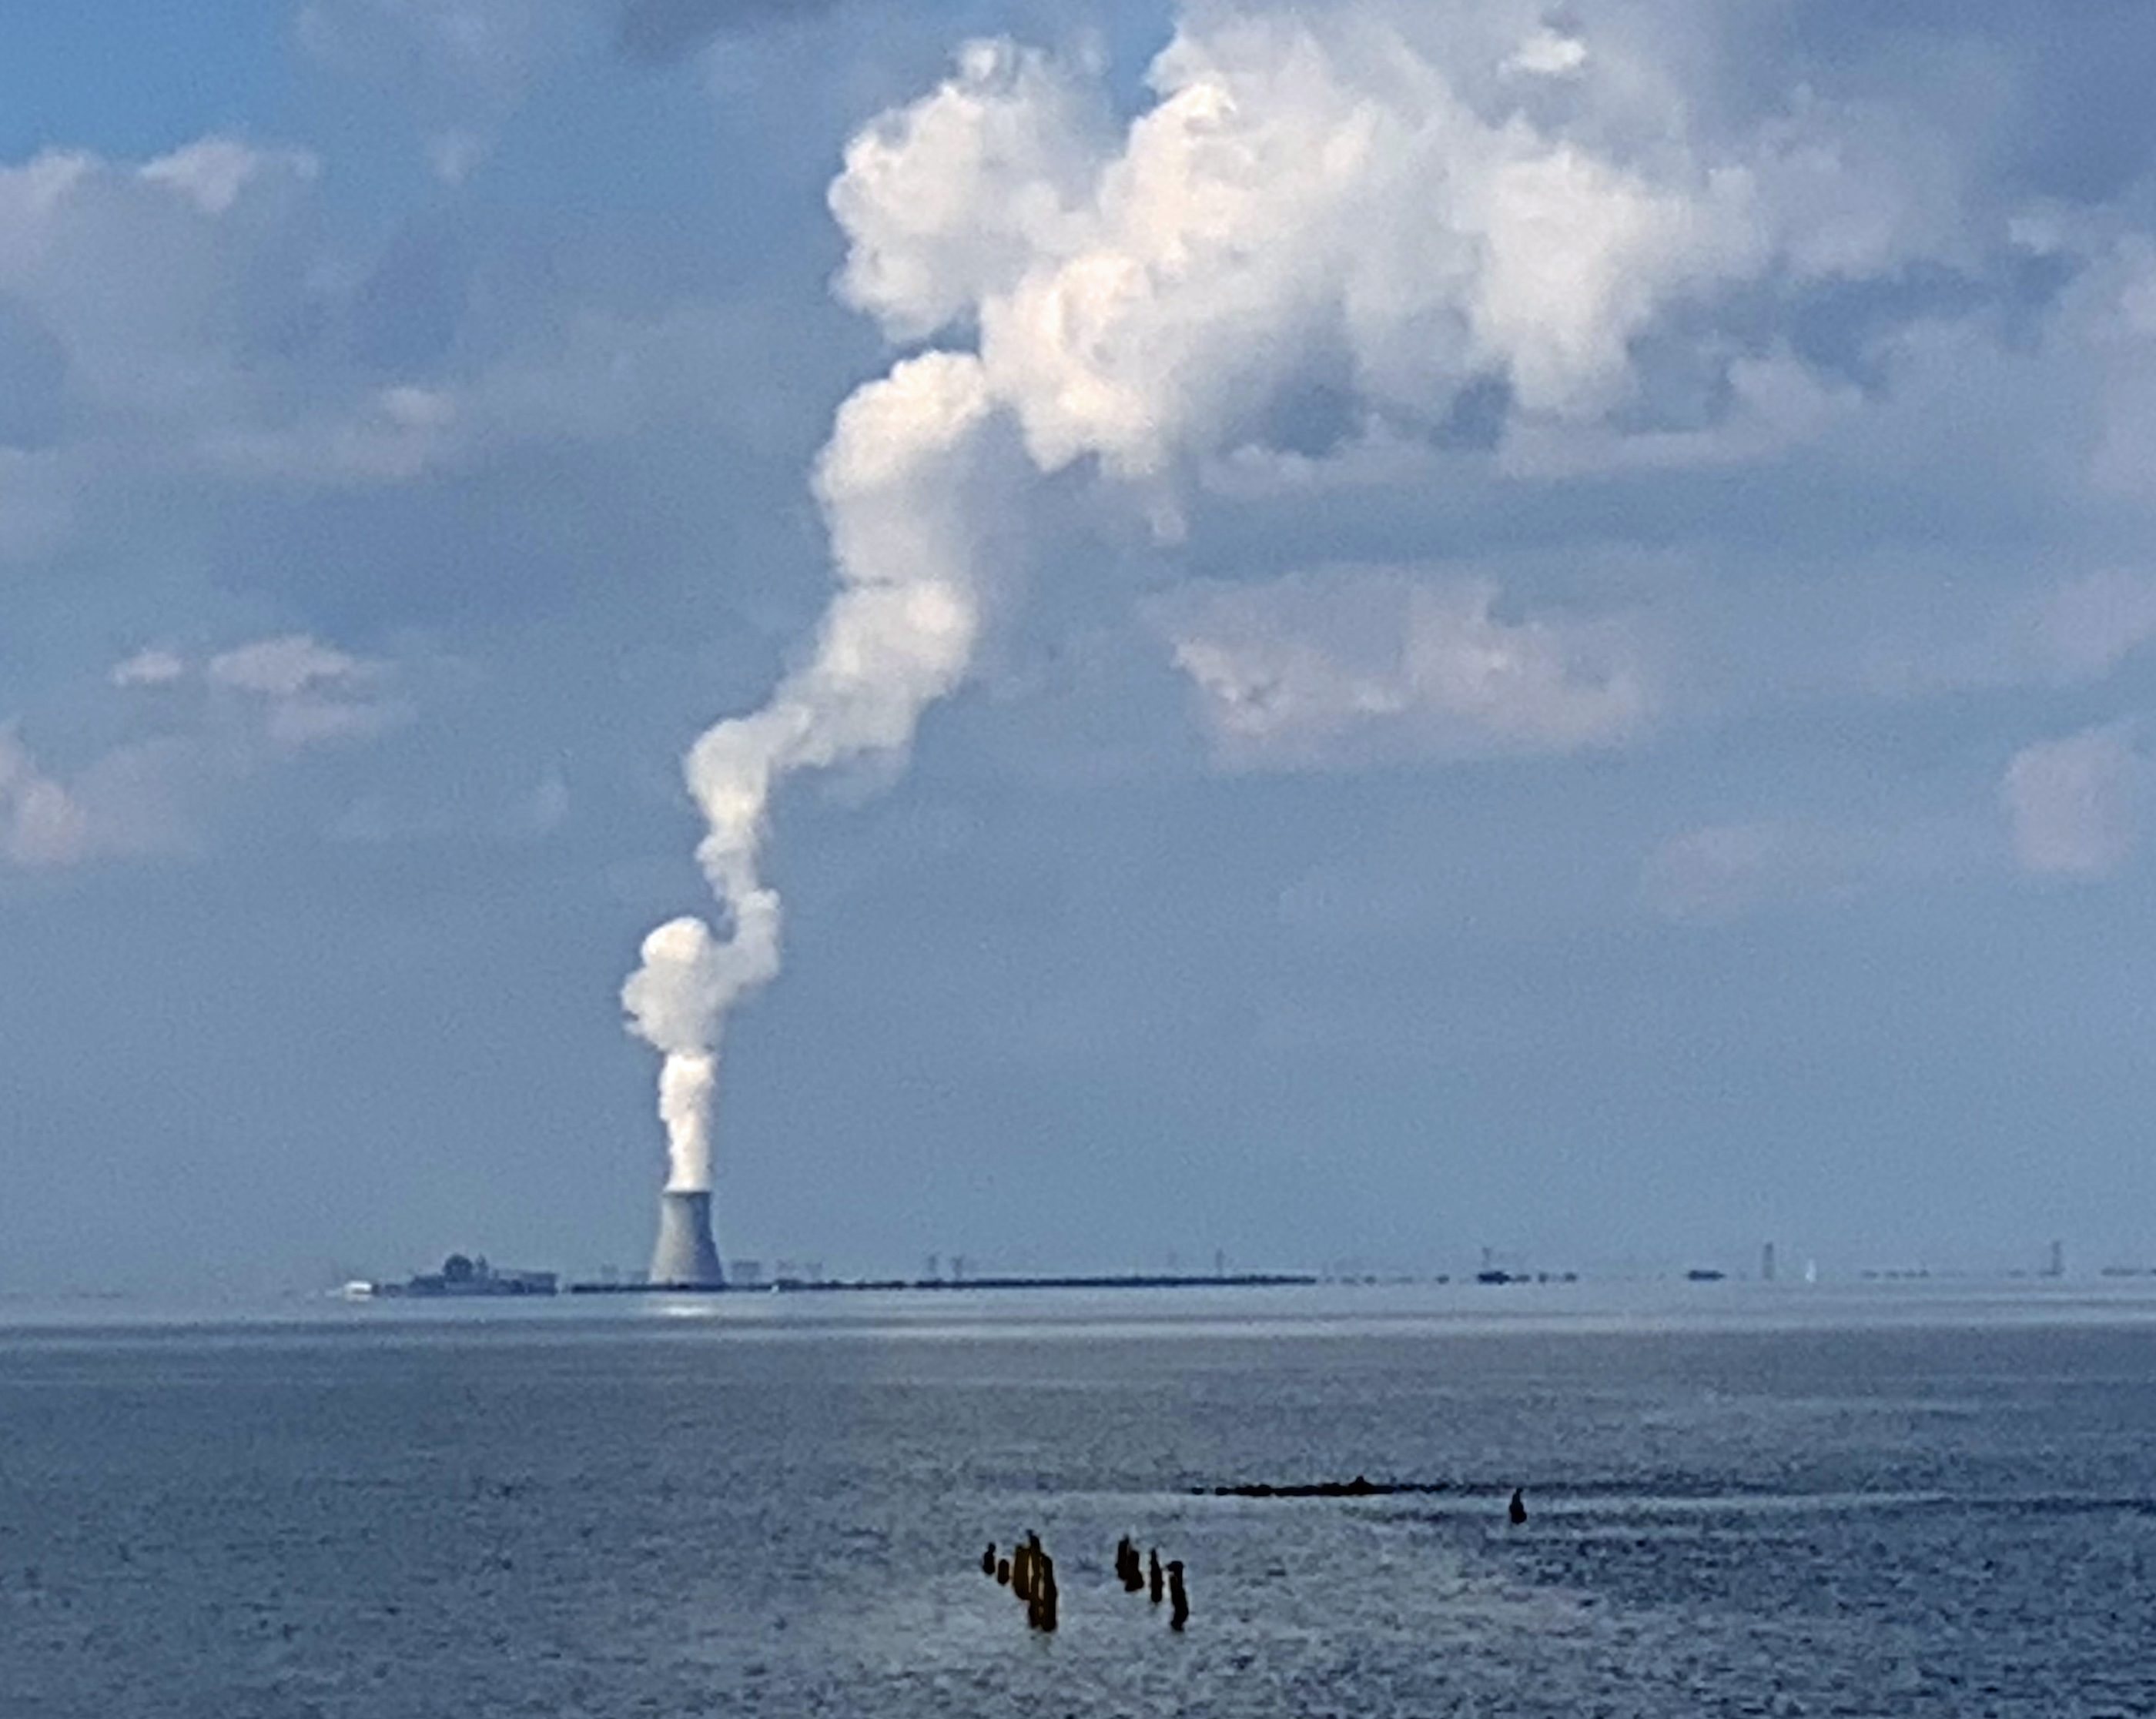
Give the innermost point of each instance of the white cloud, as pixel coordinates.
(152, 284)
(153, 665)
(284, 666)
(1327, 197)
(1854, 189)
(41, 823)
(1357, 666)
(212, 172)
(1366, 205)
(1303, 198)
(1548, 54)
(192, 315)
(310, 692)
(128, 802)
(950, 200)
(2074, 806)
(244, 709)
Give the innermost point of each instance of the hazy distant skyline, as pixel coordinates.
(1562, 654)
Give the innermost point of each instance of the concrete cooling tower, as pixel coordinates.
(686, 1255)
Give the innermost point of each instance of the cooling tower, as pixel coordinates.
(685, 1253)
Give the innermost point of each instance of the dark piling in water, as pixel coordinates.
(1040, 1611)
(1152, 1574)
(1179, 1602)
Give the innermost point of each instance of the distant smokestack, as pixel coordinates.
(685, 1253)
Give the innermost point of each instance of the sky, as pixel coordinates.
(1357, 633)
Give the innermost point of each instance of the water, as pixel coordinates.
(1743, 1500)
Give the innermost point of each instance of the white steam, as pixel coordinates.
(898, 636)
(1383, 205)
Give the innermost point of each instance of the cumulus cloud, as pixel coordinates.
(1329, 234)
(1357, 200)
(195, 318)
(2074, 806)
(164, 292)
(221, 720)
(1361, 665)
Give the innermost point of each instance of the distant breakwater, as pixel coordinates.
(1356, 1488)
(791, 1285)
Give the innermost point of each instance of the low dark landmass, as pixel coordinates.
(1356, 1488)
(1245, 1280)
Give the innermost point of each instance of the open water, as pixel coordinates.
(1743, 1499)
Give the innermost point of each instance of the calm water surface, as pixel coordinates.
(1743, 1500)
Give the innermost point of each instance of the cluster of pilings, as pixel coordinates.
(1153, 1578)
(1029, 1572)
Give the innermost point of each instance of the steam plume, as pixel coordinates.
(1384, 204)
(897, 636)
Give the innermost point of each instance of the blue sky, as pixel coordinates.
(1539, 631)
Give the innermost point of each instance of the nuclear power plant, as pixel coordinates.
(685, 1255)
